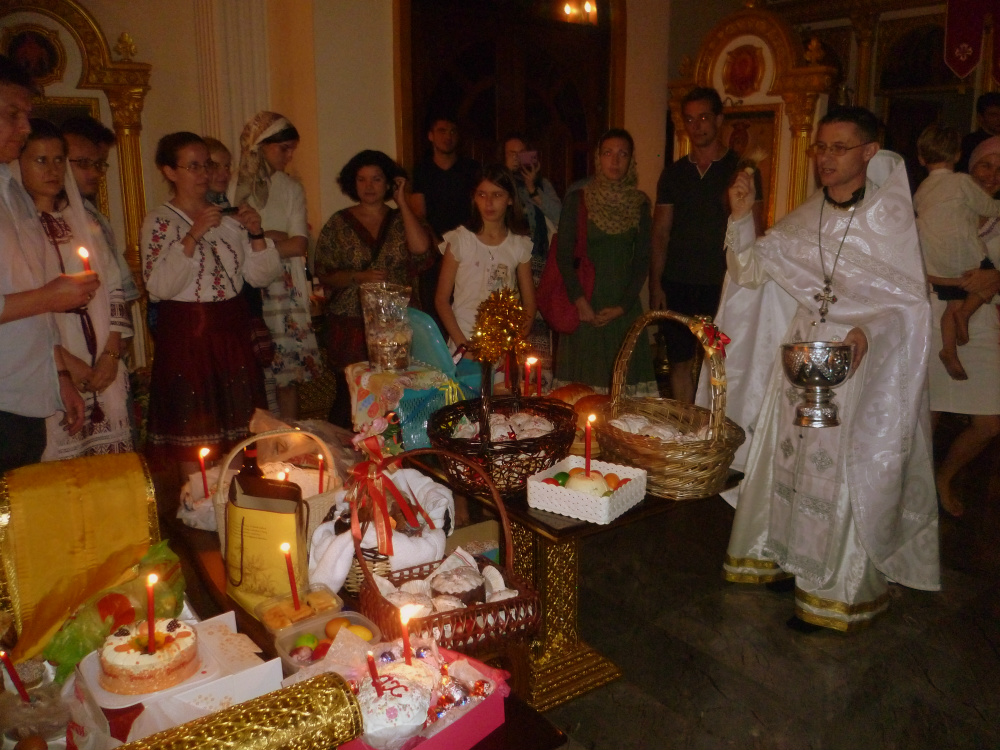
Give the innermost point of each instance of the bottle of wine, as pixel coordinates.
(250, 483)
(250, 467)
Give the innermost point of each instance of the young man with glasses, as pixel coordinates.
(841, 510)
(89, 144)
(688, 261)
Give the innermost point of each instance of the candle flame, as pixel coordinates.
(320, 456)
(285, 547)
(204, 452)
(281, 476)
(592, 417)
(83, 253)
(566, 9)
(532, 360)
(3, 654)
(151, 579)
(407, 611)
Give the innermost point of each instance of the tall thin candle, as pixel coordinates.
(287, 549)
(321, 473)
(526, 390)
(201, 460)
(373, 671)
(85, 257)
(405, 613)
(151, 580)
(586, 442)
(14, 677)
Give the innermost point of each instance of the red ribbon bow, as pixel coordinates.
(715, 339)
(369, 482)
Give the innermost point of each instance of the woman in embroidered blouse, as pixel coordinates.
(92, 336)
(205, 382)
(366, 242)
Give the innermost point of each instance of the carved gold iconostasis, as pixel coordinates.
(59, 41)
(773, 91)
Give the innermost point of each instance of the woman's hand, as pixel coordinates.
(984, 282)
(399, 191)
(530, 174)
(103, 373)
(80, 372)
(249, 218)
(372, 275)
(208, 218)
(857, 337)
(741, 196)
(585, 311)
(606, 315)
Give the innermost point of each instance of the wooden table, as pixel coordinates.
(547, 554)
(524, 728)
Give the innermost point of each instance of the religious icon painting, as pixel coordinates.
(37, 49)
(743, 71)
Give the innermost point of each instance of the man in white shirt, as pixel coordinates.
(33, 382)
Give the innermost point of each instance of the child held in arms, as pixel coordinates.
(948, 207)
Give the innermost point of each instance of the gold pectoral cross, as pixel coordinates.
(825, 298)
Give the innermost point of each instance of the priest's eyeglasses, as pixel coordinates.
(87, 164)
(836, 149)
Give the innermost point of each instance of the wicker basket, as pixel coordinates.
(679, 471)
(477, 629)
(509, 462)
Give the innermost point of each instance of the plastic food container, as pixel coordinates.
(581, 505)
(278, 614)
(284, 642)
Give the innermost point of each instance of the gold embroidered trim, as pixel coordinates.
(750, 562)
(751, 578)
(7, 572)
(833, 605)
(153, 517)
(844, 626)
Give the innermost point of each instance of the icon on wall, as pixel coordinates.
(743, 71)
(37, 49)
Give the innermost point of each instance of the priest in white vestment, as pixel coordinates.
(842, 509)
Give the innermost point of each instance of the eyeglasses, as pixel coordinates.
(195, 167)
(836, 149)
(55, 161)
(100, 166)
(702, 118)
(214, 166)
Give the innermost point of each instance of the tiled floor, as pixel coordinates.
(710, 664)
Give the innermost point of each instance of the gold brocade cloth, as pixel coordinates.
(69, 529)
(318, 713)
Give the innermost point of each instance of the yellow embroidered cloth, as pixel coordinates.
(69, 529)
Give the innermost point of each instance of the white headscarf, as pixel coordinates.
(253, 180)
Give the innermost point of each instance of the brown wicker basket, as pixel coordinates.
(679, 471)
(355, 576)
(477, 629)
(510, 462)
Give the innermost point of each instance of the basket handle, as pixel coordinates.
(717, 365)
(220, 498)
(497, 503)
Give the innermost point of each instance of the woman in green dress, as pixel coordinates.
(618, 244)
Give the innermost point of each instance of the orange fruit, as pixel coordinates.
(576, 470)
(612, 480)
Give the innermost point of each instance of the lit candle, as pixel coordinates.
(151, 580)
(287, 549)
(85, 257)
(201, 460)
(281, 476)
(405, 613)
(14, 678)
(527, 374)
(373, 671)
(586, 442)
(321, 472)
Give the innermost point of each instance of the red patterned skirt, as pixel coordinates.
(206, 382)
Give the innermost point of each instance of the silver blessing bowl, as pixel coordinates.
(817, 367)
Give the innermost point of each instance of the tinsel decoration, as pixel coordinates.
(320, 712)
(499, 325)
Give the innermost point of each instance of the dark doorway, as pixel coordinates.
(506, 65)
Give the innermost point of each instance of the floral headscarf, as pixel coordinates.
(614, 206)
(254, 177)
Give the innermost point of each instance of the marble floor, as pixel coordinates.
(709, 664)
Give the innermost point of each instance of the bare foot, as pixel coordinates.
(953, 365)
(951, 504)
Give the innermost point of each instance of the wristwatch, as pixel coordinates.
(252, 236)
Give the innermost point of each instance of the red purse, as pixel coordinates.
(553, 300)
